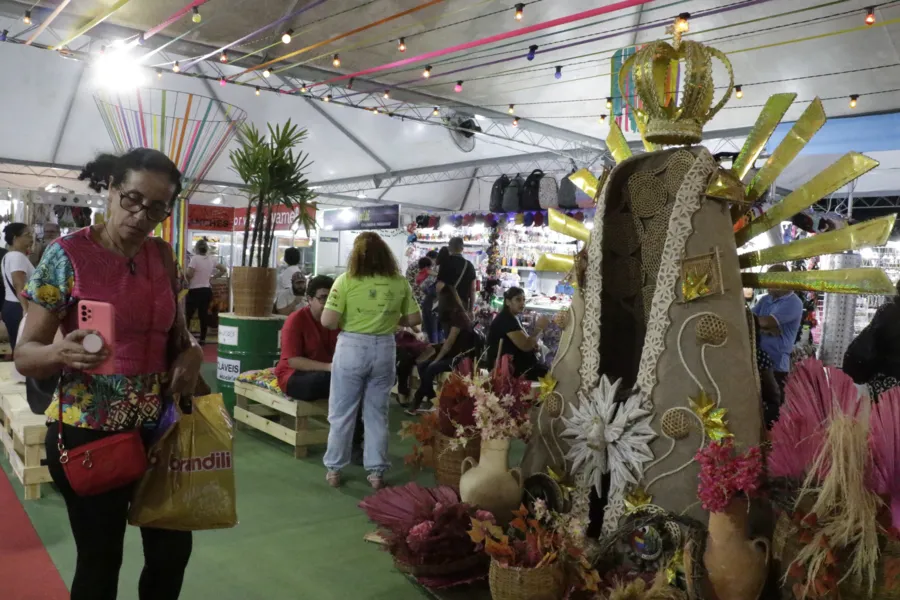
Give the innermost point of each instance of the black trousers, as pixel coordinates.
(198, 301)
(428, 372)
(12, 316)
(309, 386)
(98, 525)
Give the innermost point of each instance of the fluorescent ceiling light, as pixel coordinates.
(217, 200)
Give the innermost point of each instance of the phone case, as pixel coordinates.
(100, 317)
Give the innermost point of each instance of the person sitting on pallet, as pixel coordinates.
(307, 348)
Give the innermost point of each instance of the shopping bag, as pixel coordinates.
(190, 483)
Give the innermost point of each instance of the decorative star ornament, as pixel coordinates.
(695, 286)
(548, 384)
(713, 418)
(636, 499)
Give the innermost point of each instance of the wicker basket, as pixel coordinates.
(518, 583)
(253, 289)
(786, 545)
(469, 563)
(448, 463)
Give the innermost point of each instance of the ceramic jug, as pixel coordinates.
(489, 483)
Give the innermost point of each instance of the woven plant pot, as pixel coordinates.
(448, 462)
(253, 290)
(786, 546)
(466, 564)
(518, 583)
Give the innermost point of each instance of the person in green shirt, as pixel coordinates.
(368, 303)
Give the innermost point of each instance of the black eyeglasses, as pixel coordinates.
(322, 299)
(133, 202)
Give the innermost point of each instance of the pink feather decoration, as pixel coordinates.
(884, 444)
(812, 396)
(398, 508)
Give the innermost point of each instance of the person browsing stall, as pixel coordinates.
(779, 313)
(307, 347)
(367, 302)
(200, 271)
(16, 269)
(457, 272)
(119, 264)
(506, 336)
(292, 290)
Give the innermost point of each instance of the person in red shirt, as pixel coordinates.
(307, 348)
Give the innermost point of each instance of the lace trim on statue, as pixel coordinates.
(593, 286)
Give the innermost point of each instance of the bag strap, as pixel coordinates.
(5, 274)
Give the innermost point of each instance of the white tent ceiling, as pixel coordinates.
(49, 117)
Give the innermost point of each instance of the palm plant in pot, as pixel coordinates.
(274, 172)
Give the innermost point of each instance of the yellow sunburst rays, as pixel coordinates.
(569, 227)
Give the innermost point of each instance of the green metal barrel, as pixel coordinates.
(245, 344)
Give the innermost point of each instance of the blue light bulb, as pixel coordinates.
(558, 74)
(531, 52)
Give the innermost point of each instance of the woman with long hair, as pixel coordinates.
(460, 340)
(506, 336)
(200, 270)
(368, 303)
(16, 269)
(154, 359)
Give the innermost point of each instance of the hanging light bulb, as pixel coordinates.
(738, 92)
(27, 18)
(515, 121)
(458, 87)
(176, 67)
(608, 102)
(222, 82)
(520, 11)
(532, 50)
(512, 109)
(401, 45)
(223, 58)
(436, 112)
(303, 89)
(870, 15)
(682, 23)
(196, 17)
(158, 72)
(257, 91)
(427, 72)
(336, 61)
(4, 35)
(286, 38)
(853, 100)
(558, 73)
(350, 83)
(267, 73)
(327, 97)
(387, 94)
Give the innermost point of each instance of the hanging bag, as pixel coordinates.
(497, 191)
(512, 197)
(531, 193)
(566, 198)
(548, 193)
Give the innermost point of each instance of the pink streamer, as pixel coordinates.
(490, 40)
(151, 32)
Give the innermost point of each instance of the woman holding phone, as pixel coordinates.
(153, 357)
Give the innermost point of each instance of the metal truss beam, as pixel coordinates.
(349, 135)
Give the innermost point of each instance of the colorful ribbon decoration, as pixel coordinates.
(91, 24)
(46, 22)
(190, 129)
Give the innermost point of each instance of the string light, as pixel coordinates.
(532, 50)
(303, 89)
(267, 73)
(327, 98)
(512, 109)
(286, 38)
(257, 91)
(159, 73)
(870, 15)
(223, 58)
(387, 94)
(336, 61)
(603, 118)
(682, 25)
(3, 35)
(515, 121)
(458, 87)
(176, 67)
(427, 72)
(401, 45)
(436, 112)
(558, 73)
(853, 100)
(608, 102)
(27, 18)
(196, 18)
(520, 11)
(222, 82)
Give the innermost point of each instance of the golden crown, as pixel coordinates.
(661, 120)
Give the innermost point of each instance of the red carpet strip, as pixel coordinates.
(26, 571)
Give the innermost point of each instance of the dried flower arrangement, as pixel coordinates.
(724, 473)
(422, 432)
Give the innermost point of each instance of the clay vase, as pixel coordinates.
(736, 567)
(489, 483)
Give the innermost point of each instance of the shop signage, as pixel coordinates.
(210, 218)
(227, 369)
(371, 217)
(228, 335)
(283, 216)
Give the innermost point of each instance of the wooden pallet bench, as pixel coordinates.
(22, 435)
(300, 424)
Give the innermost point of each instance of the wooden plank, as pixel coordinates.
(274, 429)
(262, 410)
(29, 427)
(310, 409)
(311, 437)
(271, 399)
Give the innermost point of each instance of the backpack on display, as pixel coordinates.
(531, 193)
(548, 192)
(497, 191)
(566, 196)
(512, 197)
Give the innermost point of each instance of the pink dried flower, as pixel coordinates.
(418, 535)
(723, 474)
(485, 516)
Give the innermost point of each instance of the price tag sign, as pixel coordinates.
(228, 335)
(227, 369)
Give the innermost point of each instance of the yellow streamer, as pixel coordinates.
(556, 263)
(841, 281)
(769, 118)
(567, 226)
(616, 142)
(861, 235)
(91, 24)
(840, 173)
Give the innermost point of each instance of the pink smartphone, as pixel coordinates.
(100, 317)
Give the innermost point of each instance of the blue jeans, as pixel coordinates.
(363, 369)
